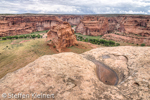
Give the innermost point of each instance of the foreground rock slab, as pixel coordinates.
(71, 76)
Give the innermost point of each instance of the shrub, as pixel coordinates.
(25, 36)
(86, 40)
(28, 36)
(111, 42)
(9, 37)
(142, 44)
(4, 38)
(16, 37)
(38, 36)
(117, 44)
(102, 41)
(33, 36)
(106, 44)
(54, 46)
(20, 36)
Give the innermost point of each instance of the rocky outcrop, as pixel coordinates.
(14, 25)
(99, 25)
(61, 36)
(23, 24)
(137, 27)
(128, 39)
(70, 76)
(71, 19)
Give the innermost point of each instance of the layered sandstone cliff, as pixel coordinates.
(23, 24)
(71, 19)
(137, 27)
(99, 25)
(61, 36)
(14, 25)
(70, 76)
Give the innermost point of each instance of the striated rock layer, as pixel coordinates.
(128, 39)
(61, 36)
(99, 25)
(71, 76)
(136, 27)
(23, 24)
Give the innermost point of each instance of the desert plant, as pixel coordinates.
(111, 42)
(16, 37)
(4, 38)
(20, 36)
(142, 44)
(54, 46)
(102, 41)
(117, 44)
(106, 44)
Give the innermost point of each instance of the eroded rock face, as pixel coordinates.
(71, 19)
(61, 36)
(14, 25)
(135, 28)
(71, 76)
(128, 39)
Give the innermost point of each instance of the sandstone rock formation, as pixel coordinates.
(128, 39)
(71, 19)
(61, 36)
(131, 29)
(71, 76)
(14, 25)
(99, 25)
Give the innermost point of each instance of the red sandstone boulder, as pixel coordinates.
(61, 36)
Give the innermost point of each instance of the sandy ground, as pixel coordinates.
(90, 44)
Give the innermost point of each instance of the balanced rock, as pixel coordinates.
(61, 36)
(71, 76)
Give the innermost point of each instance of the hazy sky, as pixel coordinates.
(75, 6)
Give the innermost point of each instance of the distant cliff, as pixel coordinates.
(136, 27)
(23, 24)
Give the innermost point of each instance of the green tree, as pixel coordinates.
(4, 38)
(117, 44)
(142, 44)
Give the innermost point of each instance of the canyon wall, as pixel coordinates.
(23, 24)
(134, 27)
(71, 19)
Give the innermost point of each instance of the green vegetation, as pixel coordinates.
(22, 36)
(95, 40)
(4, 38)
(143, 45)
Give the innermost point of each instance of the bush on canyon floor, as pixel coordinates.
(142, 44)
(54, 46)
(102, 41)
(9, 37)
(106, 44)
(111, 42)
(16, 37)
(4, 38)
(21, 36)
(117, 44)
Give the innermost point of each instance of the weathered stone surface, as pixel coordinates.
(71, 76)
(61, 36)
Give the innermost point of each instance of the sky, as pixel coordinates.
(75, 6)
